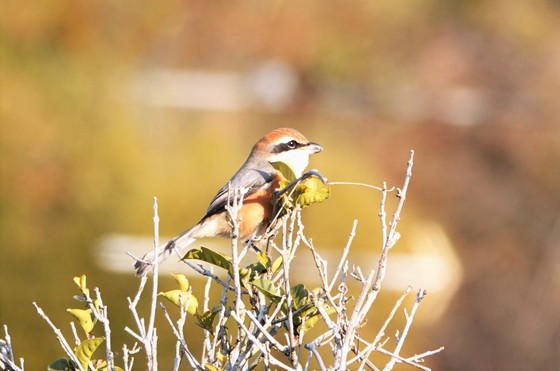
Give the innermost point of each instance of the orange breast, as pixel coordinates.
(257, 208)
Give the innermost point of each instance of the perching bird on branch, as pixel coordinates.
(258, 179)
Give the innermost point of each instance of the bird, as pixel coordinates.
(258, 179)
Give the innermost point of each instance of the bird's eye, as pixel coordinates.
(292, 144)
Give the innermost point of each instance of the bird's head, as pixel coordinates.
(288, 146)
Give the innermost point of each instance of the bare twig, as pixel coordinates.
(419, 297)
(420, 357)
(258, 344)
(265, 333)
(391, 236)
(190, 357)
(127, 354)
(147, 335)
(199, 268)
(77, 340)
(100, 313)
(205, 308)
(235, 201)
(396, 357)
(63, 343)
(150, 329)
(364, 354)
(344, 256)
(7, 353)
(361, 185)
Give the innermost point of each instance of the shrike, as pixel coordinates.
(258, 179)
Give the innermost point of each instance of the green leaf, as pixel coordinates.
(60, 364)
(210, 256)
(190, 302)
(265, 263)
(268, 289)
(85, 318)
(206, 319)
(253, 269)
(85, 350)
(300, 296)
(285, 170)
(182, 280)
(312, 320)
(246, 275)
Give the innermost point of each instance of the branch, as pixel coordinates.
(7, 353)
(190, 357)
(419, 297)
(63, 343)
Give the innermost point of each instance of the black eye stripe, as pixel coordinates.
(284, 147)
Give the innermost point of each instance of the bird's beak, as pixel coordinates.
(314, 147)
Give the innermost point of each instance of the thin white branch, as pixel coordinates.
(265, 333)
(396, 357)
(134, 334)
(132, 304)
(371, 347)
(344, 255)
(77, 340)
(420, 357)
(419, 297)
(206, 343)
(7, 353)
(235, 202)
(258, 344)
(199, 268)
(63, 343)
(155, 275)
(101, 313)
(190, 357)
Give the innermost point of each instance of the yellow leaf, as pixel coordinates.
(190, 303)
(182, 280)
(81, 282)
(85, 350)
(102, 366)
(276, 264)
(84, 317)
(263, 258)
(312, 190)
(312, 320)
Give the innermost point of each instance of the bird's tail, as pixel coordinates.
(146, 263)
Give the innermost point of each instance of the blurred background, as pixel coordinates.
(105, 104)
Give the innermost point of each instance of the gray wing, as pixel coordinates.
(249, 178)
